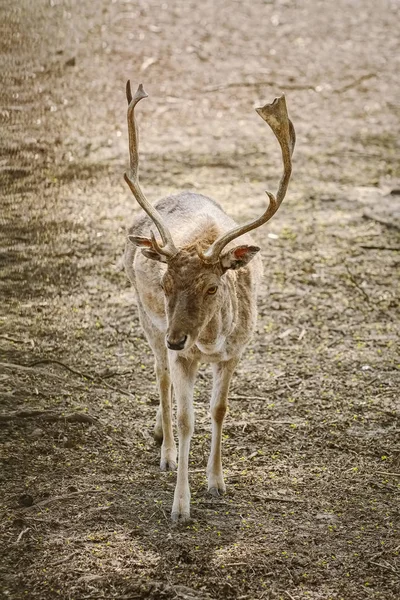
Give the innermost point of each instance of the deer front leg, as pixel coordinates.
(219, 401)
(163, 432)
(183, 373)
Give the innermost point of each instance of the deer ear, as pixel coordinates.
(142, 242)
(238, 257)
(146, 245)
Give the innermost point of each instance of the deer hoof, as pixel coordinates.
(216, 492)
(216, 485)
(167, 465)
(178, 517)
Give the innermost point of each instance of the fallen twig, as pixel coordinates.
(267, 421)
(47, 415)
(64, 497)
(23, 532)
(389, 567)
(372, 381)
(160, 508)
(10, 339)
(17, 367)
(289, 86)
(357, 285)
(247, 397)
(391, 248)
(85, 375)
(48, 361)
(270, 83)
(354, 83)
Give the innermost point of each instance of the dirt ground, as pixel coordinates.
(311, 444)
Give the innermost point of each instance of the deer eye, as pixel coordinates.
(212, 290)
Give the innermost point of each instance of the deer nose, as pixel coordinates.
(177, 345)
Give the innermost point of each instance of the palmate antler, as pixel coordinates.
(275, 114)
(168, 248)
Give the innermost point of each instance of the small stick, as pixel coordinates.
(355, 83)
(355, 282)
(270, 83)
(289, 86)
(16, 367)
(22, 534)
(247, 397)
(391, 248)
(48, 416)
(9, 339)
(81, 374)
(64, 497)
(390, 568)
(160, 508)
(371, 382)
(47, 361)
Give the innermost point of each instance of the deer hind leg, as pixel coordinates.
(219, 402)
(183, 374)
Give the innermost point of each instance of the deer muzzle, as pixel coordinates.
(174, 343)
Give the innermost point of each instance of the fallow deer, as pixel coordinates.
(196, 294)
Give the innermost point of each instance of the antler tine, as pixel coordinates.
(275, 114)
(132, 176)
(132, 129)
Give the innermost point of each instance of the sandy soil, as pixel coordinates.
(312, 438)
